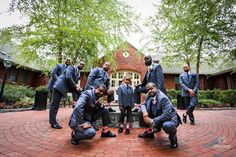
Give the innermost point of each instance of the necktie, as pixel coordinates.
(188, 76)
(154, 106)
(127, 87)
(149, 68)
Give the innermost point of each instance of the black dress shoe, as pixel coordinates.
(74, 142)
(95, 127)
(108, 134)
(135, 110)
(192, 123)
(56, 126)
(120, 130)
(111, 110)
(184, 118)
(146, 135)
(174, 143)
(126, 131)
(72, 134)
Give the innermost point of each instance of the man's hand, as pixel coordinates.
(86, 125)
(138, 85)
(121, 108)
(146, 119)
(110, 91)
(73, 104)
(99, 102)
(191, 92)
(78, 89)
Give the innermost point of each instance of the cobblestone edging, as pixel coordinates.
(31, 108)
(15, 110)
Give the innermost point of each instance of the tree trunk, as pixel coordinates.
(199, 54)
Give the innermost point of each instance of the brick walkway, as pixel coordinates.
(28, 134)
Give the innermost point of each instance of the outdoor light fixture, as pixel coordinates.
(7, 64)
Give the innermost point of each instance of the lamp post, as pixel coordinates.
(7, 64)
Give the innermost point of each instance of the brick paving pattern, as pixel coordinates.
(29, 134)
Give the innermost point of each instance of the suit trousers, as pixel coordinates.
(82, 134)
(168, 126)
(104, 113)
(56, 98)
(128, 112)
(110, 98)
(190, 104)
(137, 93)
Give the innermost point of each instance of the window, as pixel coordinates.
(120, 75)
(23, 77)
(117, 78)
(136, 76)
(113, 75)
(176, 80)
(113, 83)
(131, 74)
(12, 76)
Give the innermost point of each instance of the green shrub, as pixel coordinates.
(228, 96)
(205, 94)
(174, 102)
(13, 93)
(216, 94)
(42, 89)
(172, 94)
(209, 103)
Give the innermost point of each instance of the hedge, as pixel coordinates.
(225, 97)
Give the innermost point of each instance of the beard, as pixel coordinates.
(148, 63)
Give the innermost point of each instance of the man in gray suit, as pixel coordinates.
(67, 82)
(100, 76)
(87, 110)
(190, 85)
(56, 72)
(154, 74)
(157, 112)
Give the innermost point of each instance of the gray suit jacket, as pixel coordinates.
(84, 110)
(55, 73)
(162, 109)
(125, 96)
(156, 76)
(68, 80)
(96, 77)
(191, 83)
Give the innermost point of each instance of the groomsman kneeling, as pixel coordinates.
(87, 110)
(158, 112)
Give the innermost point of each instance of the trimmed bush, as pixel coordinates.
(13, 93)
(174, 102)
(209, 103)
(172, 94)
(207, 94)
(228, 96)
(42, 89)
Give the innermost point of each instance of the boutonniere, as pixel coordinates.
(154, 101)
(100, 102)
(151, 67)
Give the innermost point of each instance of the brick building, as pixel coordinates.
(21, 75)
(130, 61)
